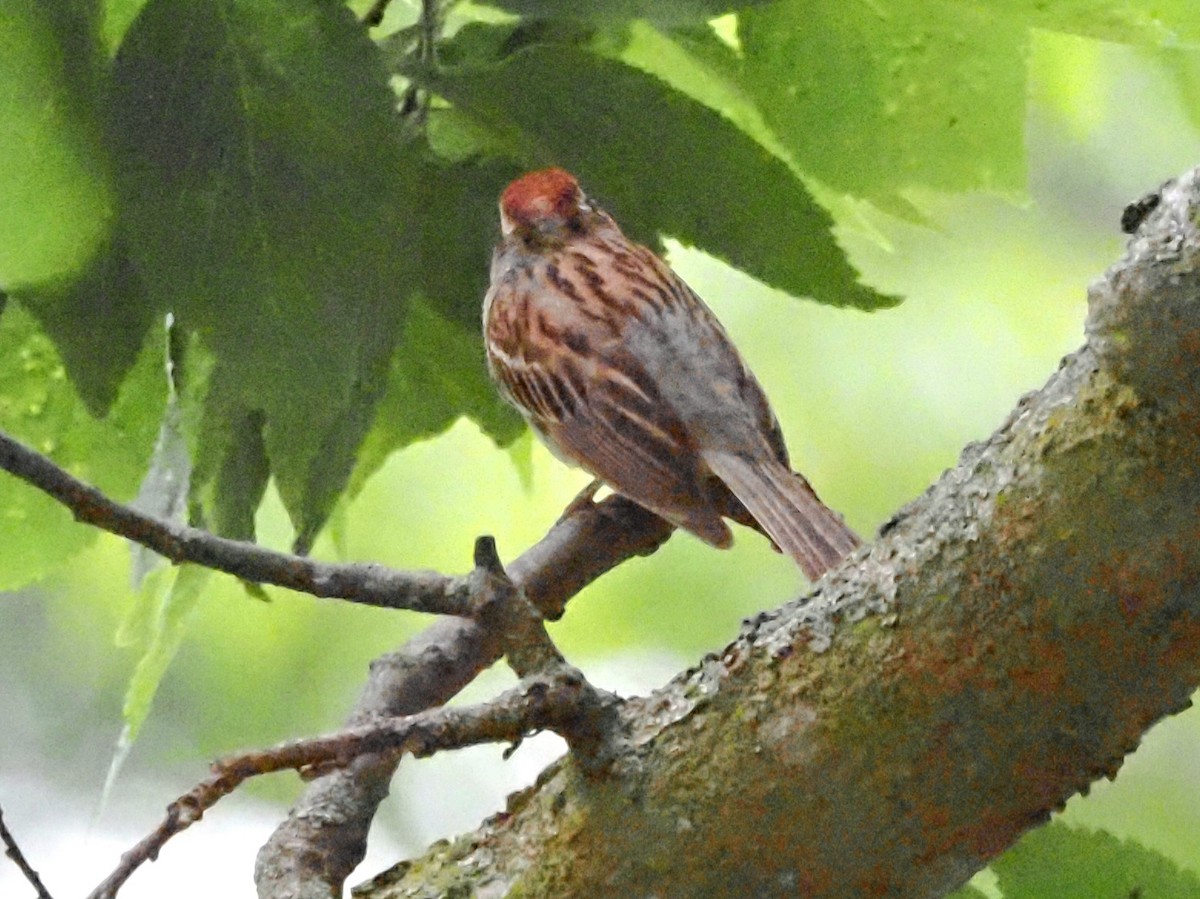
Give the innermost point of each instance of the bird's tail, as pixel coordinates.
(787, 510)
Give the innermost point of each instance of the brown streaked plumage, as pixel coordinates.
(624, 371)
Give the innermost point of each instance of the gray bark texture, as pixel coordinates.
(1006, 639)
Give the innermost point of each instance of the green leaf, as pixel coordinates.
(461, 201)
(659, 161)
(695, 62)
(267, 208)
(77, 26)
(106, 299)
(874, 99)
(438, 374)
(1162, 23)
(967, 892)
(159, 618)
(56, 203)
(667, 12)
(232, 471)
(39, 406)
(520, 451)
(164, 490)
(118, 16)
(1183, 68)
(172, 604)
(871, 100)
(99, 294)
(1066, 862)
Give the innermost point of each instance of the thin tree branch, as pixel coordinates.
(311, 854)
(555, 702)
(363, 583)
(488, 592)
(13, 851)
(594, 737)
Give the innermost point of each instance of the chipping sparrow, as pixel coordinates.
(624, 371)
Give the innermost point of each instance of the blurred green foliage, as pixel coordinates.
(241, 164)
(1072, 863)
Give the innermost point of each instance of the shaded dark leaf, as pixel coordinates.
(266, 207)
(98, 323)
(661, 162)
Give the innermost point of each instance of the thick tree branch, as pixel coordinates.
(1007, 639)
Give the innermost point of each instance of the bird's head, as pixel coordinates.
(546, 203)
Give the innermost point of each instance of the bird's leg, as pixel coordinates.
(582, 500)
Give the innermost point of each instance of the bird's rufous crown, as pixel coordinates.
(538, 196)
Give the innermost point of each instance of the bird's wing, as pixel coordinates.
(615, 426)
